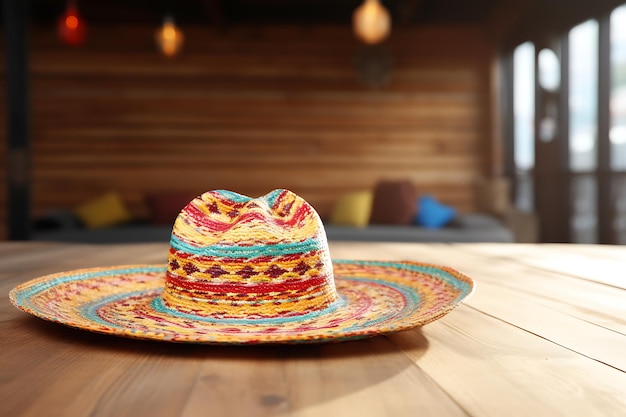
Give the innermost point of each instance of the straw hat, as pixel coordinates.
(245, 271)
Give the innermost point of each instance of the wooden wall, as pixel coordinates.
(257, 108)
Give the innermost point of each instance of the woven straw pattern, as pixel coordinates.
(236, 257)
(375, 298)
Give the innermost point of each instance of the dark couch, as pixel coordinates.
(465, 228)
(392, 205)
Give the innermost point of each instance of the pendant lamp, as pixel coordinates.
(169, 38)
(71, 26)
(371, 22)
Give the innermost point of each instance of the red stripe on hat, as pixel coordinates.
(260, 288)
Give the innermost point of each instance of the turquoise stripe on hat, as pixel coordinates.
(235, 197)
(234, 251)
(24, 296)
(433, 270)
(272, 197)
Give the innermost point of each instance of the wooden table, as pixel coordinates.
(544, 334)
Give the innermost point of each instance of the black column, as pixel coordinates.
(606, 205)
(16, 14)
(552, 179)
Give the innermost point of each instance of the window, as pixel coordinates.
(524, 105)
(568, 134)
(583, 96)
(583, 130)
(617, 133)
(524, 115)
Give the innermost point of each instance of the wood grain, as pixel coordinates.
(257, 108)
(536, 338)
(493, 368)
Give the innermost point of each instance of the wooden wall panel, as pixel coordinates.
(254, 109)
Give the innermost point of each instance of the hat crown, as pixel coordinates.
(233, 256)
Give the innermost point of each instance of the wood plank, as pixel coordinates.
(235, 111)
(513, 348)
(576, 260)
(527, 372)
(127, 377)
(585, 317)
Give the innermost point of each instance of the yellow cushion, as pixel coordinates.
(353, 209)
(104, 211)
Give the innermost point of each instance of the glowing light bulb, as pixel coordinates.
(71, 27)
(169, 38)
(71, 22)
(169, 31)
(371, 22)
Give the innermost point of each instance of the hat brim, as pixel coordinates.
(375, 298)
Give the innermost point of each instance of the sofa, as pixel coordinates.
(474, 227)
(468, 228)
(391, 212)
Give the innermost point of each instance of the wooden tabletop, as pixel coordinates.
(544, 334)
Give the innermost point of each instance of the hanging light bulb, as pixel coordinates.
(169, 37)
(71, 26)
(371, 22)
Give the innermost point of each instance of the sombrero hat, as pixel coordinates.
(246, 271)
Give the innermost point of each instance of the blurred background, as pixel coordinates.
(473, 102)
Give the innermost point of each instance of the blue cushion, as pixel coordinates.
(433, 214)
